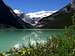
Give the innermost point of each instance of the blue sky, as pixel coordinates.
(36, 5)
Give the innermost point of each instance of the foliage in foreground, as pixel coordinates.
(56, 46)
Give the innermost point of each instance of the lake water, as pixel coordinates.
(11, 38)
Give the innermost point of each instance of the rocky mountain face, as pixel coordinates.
(57, 20)
(35, 17)
(40, 14)
(41, 20)
(9, 18)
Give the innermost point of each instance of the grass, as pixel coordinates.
(56, 46)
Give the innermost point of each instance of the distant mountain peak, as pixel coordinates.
(40, 14)
(18, 11)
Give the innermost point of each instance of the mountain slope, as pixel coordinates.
(40, 14)
(57, 20)
(9, 18)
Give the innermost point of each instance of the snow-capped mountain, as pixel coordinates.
(40, 14)
(18, 11)
(33, 18)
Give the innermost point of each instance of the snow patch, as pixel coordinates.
(40, 14)
(17, 11)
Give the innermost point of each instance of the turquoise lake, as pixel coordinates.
(10, 38)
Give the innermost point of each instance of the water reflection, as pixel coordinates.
(17, 38)
(33, 36)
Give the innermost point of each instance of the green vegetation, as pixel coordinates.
(73, 20)
(56, 46)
